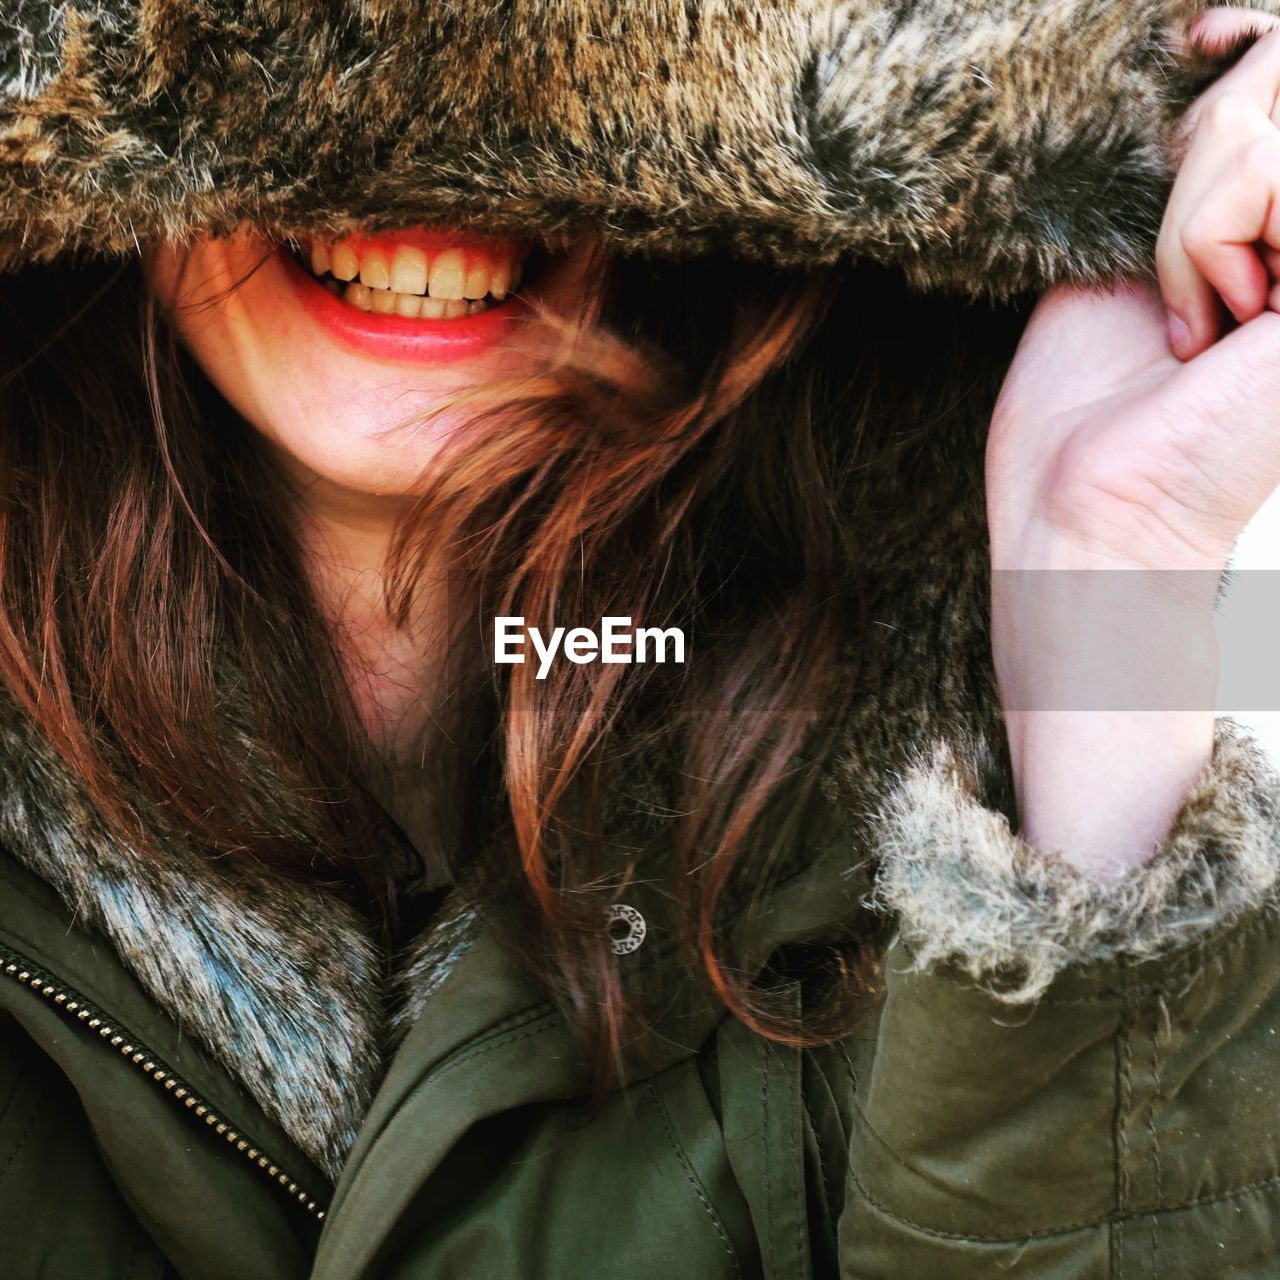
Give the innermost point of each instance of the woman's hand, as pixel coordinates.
(1132, 436)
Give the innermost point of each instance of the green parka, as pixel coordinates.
(1057, 1078)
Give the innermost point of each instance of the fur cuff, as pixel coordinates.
(970, 893)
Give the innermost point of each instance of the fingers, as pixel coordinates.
(1237, 213)
(1215, 29)
(1235, 388)
(1220, 207)
(1256, 75)
(1221, 230)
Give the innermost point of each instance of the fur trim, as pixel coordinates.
(293, 1011)
(970, 893)
(432, 957)
(981, 147)
(987, 147)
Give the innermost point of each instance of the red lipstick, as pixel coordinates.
(393, 337)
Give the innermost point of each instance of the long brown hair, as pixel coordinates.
(678, 461)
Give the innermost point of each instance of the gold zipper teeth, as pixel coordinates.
(141, 1057)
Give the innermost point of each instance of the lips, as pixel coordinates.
(417, 295)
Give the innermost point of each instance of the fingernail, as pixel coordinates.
(1179, 334)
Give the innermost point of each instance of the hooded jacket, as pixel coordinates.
(1061, 1078)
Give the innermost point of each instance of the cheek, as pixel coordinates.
(369, 438)
(338, 419)
(331, 413)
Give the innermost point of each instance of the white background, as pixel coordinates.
(1259, 548)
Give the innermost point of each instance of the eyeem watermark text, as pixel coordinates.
(616, 641)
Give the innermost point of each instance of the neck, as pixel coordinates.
(394, 670)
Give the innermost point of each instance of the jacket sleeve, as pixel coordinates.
(1071, 1079)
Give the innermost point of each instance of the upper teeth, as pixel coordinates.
(450, 274)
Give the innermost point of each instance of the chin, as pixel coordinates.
(356, 451)
(338, 349)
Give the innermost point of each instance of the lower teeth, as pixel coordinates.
(412, 306)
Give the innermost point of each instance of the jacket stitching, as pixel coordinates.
(865, 1129)
(512, 1022)
(831, 1096)
(1271, 1181)
(1124, 1109)
(694, 1181)
(1155, 1150)
(764, 1145)
(828, 1189)
(793, 1113)
(848, 1062)
(511, 1037)
(491, 1037)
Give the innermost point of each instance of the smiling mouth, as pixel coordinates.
(420, 274)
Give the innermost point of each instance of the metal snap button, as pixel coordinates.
(626, 929)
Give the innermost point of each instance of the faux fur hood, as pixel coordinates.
(978, 147)
(986, 146)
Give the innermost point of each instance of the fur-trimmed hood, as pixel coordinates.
(979, 148)
(984, 146)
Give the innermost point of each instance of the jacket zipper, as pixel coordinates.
(77, 1008)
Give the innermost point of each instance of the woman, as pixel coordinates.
(334, 942)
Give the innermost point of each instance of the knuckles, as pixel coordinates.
(1228, 112)
(1260, 159)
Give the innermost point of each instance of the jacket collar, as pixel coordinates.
(488, 1040)
(281, 982)
(88, 1010)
